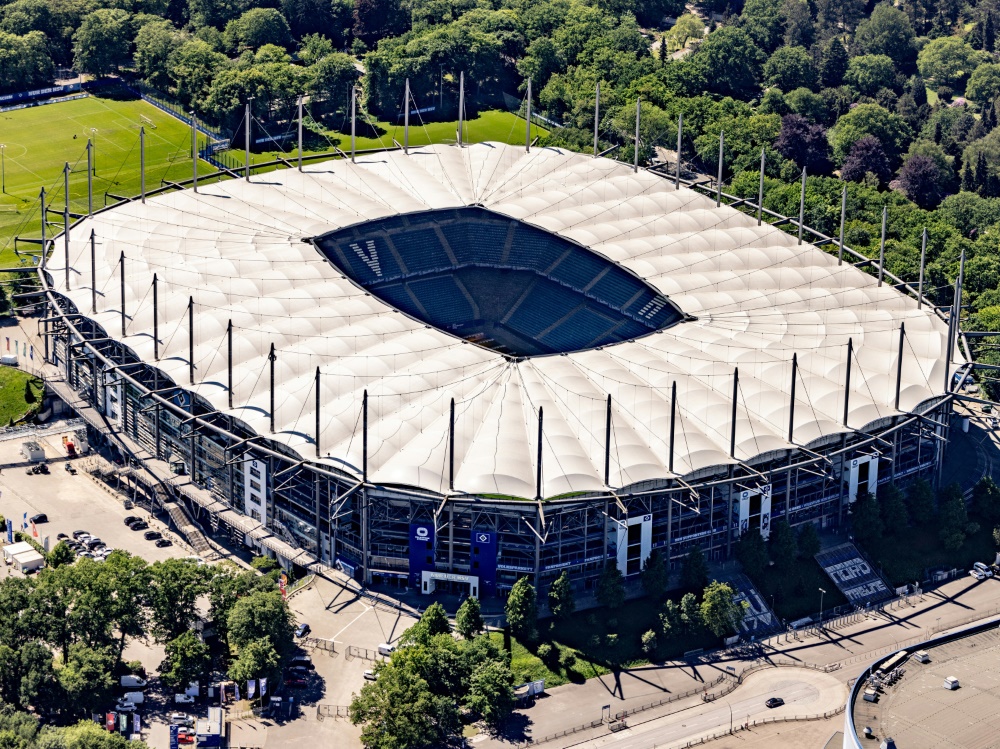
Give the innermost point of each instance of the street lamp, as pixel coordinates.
(93, 133)
(821, 594)
(730, 716)
(3, 168)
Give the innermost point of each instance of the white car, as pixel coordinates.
(977, 574)
(181, 719)
(124, 706)
(183, 699)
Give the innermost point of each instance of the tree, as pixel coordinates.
(688, 26)
(948, 60)
(869, 73)
(257, 27)
(101, 44)
(866, 522)
(377, 19)
(61, 554)
(86, 680)
(264, 615)
(694, 570)
(996, 536)
(175, 585)
(187, 658)
(192, 67)
(154, 44)
(670, 619)
(953, 519)
(331, 77)
(921, 181)
(808, 541)
(648, 642)
(720, 611)
(920, 502)
(833, 63)
(521, 609)
(781, 545)
(491, 693)
(804, 143)
(611, 587)
(229, 584)
(986, 501)
(804, 102)
(39, 687)
(761, 21)
(789, 68)
(469, 619)
(892, 508)
(890, 129)
(24, 61)
(866, 157)
(690, 612)
(887, 32)
(256, 659)
(984, 83)
(128, 579)
(435, 620)
(561, 602)
(751, 552)
(655, 575)
(399, 710)
(729, 61)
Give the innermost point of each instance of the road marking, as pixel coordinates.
(367, 609)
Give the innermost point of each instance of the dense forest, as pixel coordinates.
(899, 101)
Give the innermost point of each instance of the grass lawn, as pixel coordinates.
(904, 558)
(39, 140)
(490, 125)
(568, 666)
(13, 386)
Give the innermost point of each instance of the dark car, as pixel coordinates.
(775, 702)
(302, 630)
(129, 519)
(152, 535)
(301, 661)
(94, 543)
(162, 543)
(77, 534)
(40, 518)
(140, 526)
(61, 536)
(295, 681)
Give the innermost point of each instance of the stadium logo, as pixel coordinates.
(422, 533)
(483, 538)
(371, 258)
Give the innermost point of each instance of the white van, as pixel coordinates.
(132, 681)
(951, 682)
(983, 568)
(921, 656)
(386, 649)
(136, 698)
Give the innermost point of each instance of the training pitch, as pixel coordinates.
(40, 140)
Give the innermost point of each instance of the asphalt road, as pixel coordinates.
(806, 692)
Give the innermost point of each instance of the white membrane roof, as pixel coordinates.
(757, 297)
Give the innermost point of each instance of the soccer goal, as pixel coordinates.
(144, 120)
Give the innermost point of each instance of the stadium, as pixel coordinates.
(452, 367)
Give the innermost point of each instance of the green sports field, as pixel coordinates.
(41, 139)
(500, 126)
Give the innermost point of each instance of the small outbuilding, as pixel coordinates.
(9, 552)
(28, 561)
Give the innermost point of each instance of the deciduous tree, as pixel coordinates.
(561, 600)
(611, 587)
(720, 611)
(469, 619)
(522, 610)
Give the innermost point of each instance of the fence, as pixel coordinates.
(174, 110)
(337, 712)
(353, 651)
(752, 724)
(327, 646)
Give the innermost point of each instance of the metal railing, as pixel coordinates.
(337, 712)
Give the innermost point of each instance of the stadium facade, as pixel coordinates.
(458, 366)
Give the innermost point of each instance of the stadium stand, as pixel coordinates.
(532, 292)
(852, 573)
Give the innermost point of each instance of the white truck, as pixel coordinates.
(133, 681)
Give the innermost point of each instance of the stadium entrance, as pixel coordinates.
(498, 282)
(448, 582)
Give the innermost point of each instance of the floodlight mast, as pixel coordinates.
(66, 219)
(461, 105)
(300, 132)
(527, 120)
(246, 141)
(194, 151)
(597, 115)
(142, 163)
(90, 178)
(354, 105)
(635, 160)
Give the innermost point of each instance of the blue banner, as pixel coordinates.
(421, 551)
(38, 93)
(484, 561)
(173, 736)
(10, 531)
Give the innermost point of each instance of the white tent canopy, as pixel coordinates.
(238, 250)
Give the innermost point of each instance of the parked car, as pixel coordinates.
(152, 535)
(301, 661)
(302, 630)
(124, 706)
(977, 574)
(195, 559)
(140, 526)
(61, 536)
(181, 719)
(370, 675)
(183, 699)
(162, 543)
(129, 519)
(295, 681)
(77, 534)
(185, 736)
(132, 681)
(775, 702)
(40, 518)
(94, 542)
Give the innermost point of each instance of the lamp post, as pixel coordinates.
(3, 167)
(93, 133)
(730, 716)
(821, 594)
